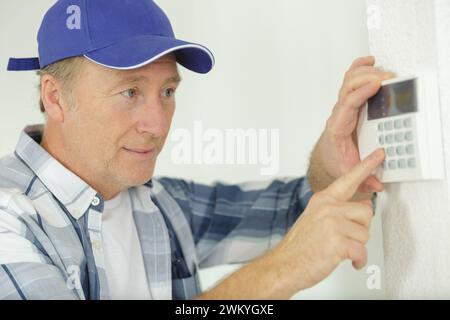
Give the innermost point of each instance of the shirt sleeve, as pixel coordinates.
(237, 223)
(26, 272)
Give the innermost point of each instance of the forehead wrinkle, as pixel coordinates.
(138, 78)
(130, 79)
(121, 77)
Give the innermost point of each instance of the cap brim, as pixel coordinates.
(140, 51)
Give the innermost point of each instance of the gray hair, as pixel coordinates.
(65, 71)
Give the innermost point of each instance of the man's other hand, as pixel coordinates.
(337, 150)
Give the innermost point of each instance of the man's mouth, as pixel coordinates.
(142, 153)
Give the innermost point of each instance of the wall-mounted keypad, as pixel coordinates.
(397, 137)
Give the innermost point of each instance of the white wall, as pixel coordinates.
(407, 35)
(279, 64)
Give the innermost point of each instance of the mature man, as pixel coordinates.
(81, 216)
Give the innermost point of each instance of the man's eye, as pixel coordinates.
(169, 92)
(130, 93)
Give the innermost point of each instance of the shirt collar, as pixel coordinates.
(74, 193)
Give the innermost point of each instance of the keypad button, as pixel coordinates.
(388, 125)
(389, 138)
(380, 127)
(398, 124)
(400, 150)
(411, 163)
(384, 165)
(407, 123)
(381, 140)
(392, 164)
(390, 152)
(401, 164)
(410, 149)
(409, 136)
(399, 137)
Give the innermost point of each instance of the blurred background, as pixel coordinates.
(279, 65)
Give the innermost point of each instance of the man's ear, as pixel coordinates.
(51, 90)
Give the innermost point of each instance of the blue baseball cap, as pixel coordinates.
(118, 34)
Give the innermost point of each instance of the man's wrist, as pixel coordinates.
(317, 174)
(287, 279)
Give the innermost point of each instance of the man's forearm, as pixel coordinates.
(261, 279)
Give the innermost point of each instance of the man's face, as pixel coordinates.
(120, 121)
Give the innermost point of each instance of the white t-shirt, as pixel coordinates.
(124, 264)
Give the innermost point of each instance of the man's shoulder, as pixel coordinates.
(14, 174)
(15, 179)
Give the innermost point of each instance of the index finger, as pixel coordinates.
(346, 186)
(363, 61)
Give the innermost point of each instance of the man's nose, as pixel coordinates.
(155, 119)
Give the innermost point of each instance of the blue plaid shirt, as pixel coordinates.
(50, 227)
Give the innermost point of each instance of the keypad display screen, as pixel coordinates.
(393, 99)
